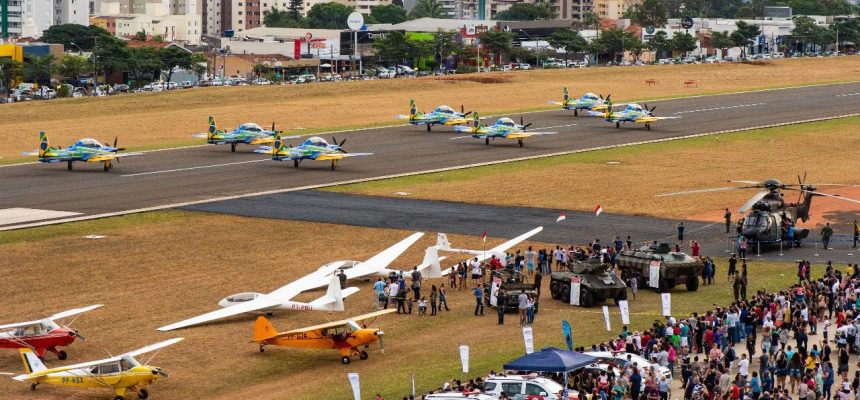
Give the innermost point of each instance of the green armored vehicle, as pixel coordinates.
(675, 268)
(513, 283)
(597, 283)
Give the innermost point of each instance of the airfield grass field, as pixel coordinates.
(169, 119)
(626, 179)
(156, 268)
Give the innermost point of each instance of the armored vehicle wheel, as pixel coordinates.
(586, 299)
(692, 283)
(553, 291)
(565, 293)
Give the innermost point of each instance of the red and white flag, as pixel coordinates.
(484, 237)
(598, 210)
(561, 217)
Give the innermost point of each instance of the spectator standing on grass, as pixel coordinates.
(733, 268)
(742, 247)
(522, 305)
(479, 300)
(530, 260)
(416, 282)
(434, 296)
(694, 246)
(634, 286)
(443, 297)
(475, 267)
(393, 288)
(501, 304)
(379, 289)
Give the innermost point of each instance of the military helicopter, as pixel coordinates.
(769, 214)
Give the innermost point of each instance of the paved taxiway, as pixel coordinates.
(177, 177)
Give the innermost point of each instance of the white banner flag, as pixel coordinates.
(654, 274)
(494, 289)
(606, 317)
(529, 339)
(464, 358)
(625, 312)
(575, 287)
(353, 381)
(667, 303)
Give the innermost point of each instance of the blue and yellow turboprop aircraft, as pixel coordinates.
(313, 148)
(589, 101)
(84, 150)
(248, 133)
(504, 128)
(442, 115)
(631, 113)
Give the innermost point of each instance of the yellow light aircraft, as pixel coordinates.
(121, 373)
(346, 336)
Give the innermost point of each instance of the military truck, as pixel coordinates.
(597, 283)
(675, 268)
(513, 283)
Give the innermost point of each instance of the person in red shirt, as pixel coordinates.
(695, 247)
(736, 392)
(495, 263)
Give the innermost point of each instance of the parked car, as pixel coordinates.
(523, 66)
(622, 359)
(44, 93)
(261, 81)
(513, 385)
(458, 396)
(404, 70)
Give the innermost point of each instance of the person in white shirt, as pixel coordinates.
(744, 367)
(475, 266)
(393, 288)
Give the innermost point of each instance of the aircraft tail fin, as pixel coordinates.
(476, 123)
(263, 329)
(32, 363)
(278, 146)
(213, 129)
(431, 262)
(442, 241)
(412, 109)
(566, 97)
(333, 298)
(43, 143)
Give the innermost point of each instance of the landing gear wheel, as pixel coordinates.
(692, 283)
(107, 166)
(648, 126)
(142, 394)
(487, 141)
(428, 127)
(62, 355)
(575, 113)
(363, 355)
(33, 386)
(232, 147)
(617, 125)
(586, 299)
(520, 141)
(70, 166)
(119, 398)
(344, 360)
(333, 165)
(295, 163)
(262, 349)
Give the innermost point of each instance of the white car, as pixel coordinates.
(622, 359)
(458, 396)
(524, 386)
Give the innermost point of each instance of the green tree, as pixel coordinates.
(328, 16)
(445, 44)
(276, 18)
(721, 40)
(144, 63)
(683, 42)
(614, 41)
(9, 70)
(388, 14)
(173, 57)
(392, 47)
(428, 9)
(744, 12)
(650, 13)
(38, 69)
(590, 20)
(659, 43)
(111, 55)
(141, 36)
(744, 35)
(568, 40)
(497, 42)
(73, 66)
(526, 12)
(66, 34)
(260, 69)
(295, 9)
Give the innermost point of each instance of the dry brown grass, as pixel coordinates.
(164, 119)
(152, 271)
(827, 151)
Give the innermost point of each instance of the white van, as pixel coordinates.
(524, 386)
(458, 396)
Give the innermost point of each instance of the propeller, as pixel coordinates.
(116, 149)
(159, 371)
(832, 196)
(609, 96)
(273, 126)
(339, 145)
(380, 334)
(755, 199)
(524, 125)
(77, 334)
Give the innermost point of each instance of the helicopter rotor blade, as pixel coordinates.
(755, 199)
(833, 196)
(747, 182)
(707, 190)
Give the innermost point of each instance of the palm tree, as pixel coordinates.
(276, 18)
(428, 9)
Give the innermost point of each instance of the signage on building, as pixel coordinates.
(687, 22)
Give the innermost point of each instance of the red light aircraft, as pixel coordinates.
(43, 335)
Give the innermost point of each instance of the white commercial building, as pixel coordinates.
(155, 21)
(29, 18)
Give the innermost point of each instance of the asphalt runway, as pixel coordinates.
(500, 221)
(169, 178)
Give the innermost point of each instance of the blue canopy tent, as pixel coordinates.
(551, 359)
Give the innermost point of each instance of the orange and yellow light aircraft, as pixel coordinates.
(121, 373)
(346, 336)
